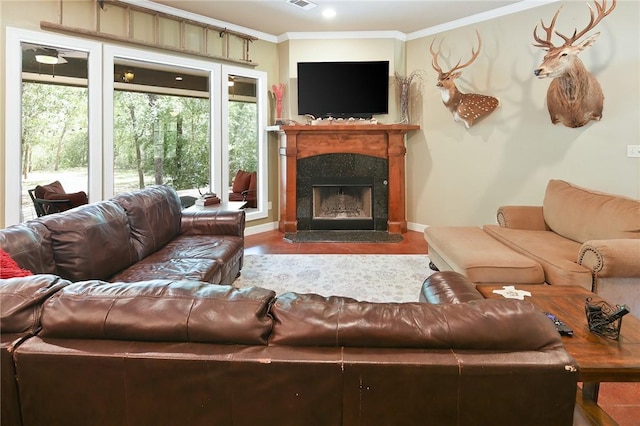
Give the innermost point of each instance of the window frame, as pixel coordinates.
(100, 118)
(13, 112)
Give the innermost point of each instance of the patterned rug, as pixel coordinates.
(370, 277)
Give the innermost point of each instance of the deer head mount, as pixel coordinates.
(467, 108)
(574, 96)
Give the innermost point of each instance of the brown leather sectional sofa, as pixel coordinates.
(167, 352)
(135, 236)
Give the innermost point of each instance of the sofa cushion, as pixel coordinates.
(22, 298)
(91, 241)
(159, 310)
(29, 244)
(313, 320)
(470, 251)
(557, 255)
(159, 266)
(154, 217)
(582, 214)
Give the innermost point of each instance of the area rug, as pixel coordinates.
(367, 277)
(350, 236)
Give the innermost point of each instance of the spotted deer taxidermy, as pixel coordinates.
(467, 108)
(574, 96)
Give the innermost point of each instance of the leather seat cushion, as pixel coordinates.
(91, 242)
(495, 324)
(159, 310)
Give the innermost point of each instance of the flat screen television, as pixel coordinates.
(343, 89)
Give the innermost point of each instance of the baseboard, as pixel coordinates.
(416, 227)
(257, 229)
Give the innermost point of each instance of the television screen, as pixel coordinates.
(343, 89)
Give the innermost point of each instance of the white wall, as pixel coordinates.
(459, 177)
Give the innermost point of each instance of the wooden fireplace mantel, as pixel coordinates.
(377, 140)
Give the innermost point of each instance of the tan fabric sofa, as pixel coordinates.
(578, 236)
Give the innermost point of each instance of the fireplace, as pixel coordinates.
(343, 204)
(359, 155)
(342, 191)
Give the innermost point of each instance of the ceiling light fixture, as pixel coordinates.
(47, 59)
(47, 56)
(178, 78)
(128, 76)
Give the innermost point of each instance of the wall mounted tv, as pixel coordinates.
(343, 89)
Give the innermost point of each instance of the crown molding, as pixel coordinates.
(331, 35)
(480, 17)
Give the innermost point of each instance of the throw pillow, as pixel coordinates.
(241, 182)
(45, 191)
(9, 268)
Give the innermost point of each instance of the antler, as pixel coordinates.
(434, 55)
(549, 30)
(474, 56)
(593, 21)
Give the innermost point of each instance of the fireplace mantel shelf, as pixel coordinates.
(377, 140)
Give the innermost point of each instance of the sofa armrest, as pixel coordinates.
(213, 222)
(447, 287)
(611, 258)
(522, 217)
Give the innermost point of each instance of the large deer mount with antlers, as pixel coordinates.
(574, 96)
(466, 108)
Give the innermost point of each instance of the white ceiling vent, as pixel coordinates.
(303, 4)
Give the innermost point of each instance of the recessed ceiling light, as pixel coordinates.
(328, 13)
(178, 78)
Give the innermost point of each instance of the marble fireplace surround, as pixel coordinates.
(382, 141)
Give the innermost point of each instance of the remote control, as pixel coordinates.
(562, 328)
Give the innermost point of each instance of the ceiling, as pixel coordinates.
(277, 17)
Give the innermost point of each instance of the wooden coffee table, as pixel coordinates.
(599, 359)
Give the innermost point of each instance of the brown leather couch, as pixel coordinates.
(135, 236)
(168, 352)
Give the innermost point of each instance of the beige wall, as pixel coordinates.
(457, 176)
(357, 49)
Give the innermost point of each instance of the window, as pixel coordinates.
(185, 135)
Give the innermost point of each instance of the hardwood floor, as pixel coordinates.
(620, 400)
(273, 242)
